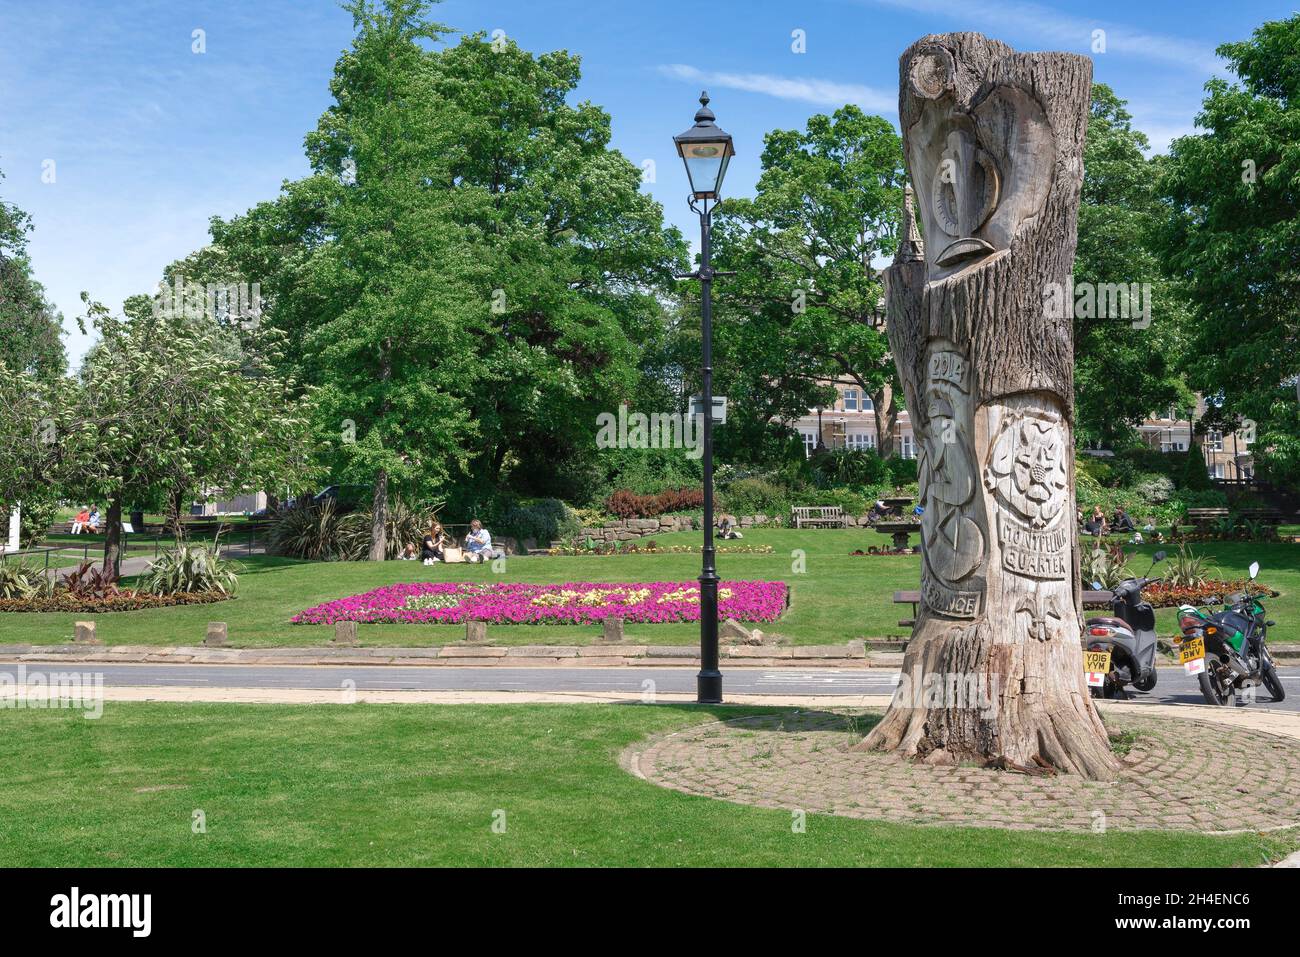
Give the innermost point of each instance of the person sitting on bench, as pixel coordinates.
(478, 544)
(79, 523)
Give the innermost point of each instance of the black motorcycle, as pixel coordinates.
(1226, 649)
(1120, 649)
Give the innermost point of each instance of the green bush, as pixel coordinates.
(850, 467)
(902, 472)
(757, 496)
(545, 520)
(1154, 488)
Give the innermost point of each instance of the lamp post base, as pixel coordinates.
(708, 687)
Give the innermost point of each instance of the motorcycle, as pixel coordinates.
(1120, 649)
(1226, 649)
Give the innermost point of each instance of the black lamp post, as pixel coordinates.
(706, 150)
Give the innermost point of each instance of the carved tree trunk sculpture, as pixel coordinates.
(994, 672)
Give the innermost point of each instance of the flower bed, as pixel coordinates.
(1171, 596)
(567, 604)
(125, 601)
(653, 548)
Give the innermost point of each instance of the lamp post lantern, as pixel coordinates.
(706, 151)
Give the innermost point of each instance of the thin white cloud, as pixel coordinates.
(804, 89)
(1073, 33)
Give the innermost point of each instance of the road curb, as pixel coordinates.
(463, 655)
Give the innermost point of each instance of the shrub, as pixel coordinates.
(126, 601)
(756, 496)
(545, 520)
(1186, 570)
(20, 580)
(1153, 488)
(190, 567)
(902, 471)
(308, 530)
(628, 504)
(849, 467)
(89, 581)
(406, 524)
(1105, 565)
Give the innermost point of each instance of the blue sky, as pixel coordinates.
(149, 139)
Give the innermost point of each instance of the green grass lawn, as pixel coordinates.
(835, 596)
(390, 785)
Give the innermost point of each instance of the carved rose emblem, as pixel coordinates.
(1027, 469)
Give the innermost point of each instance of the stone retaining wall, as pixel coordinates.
(632, 528)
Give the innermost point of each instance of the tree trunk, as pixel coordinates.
(113, 536)
(882, 403)
(176, 503)
(994, 670)
(379, 518)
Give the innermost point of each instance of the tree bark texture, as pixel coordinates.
(993, 673)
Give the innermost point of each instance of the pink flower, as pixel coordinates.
(570, 603)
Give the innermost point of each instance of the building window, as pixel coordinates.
(1214, 442)
(860, 441)
(1218, 471)
(907, 446)
(851, 400)
(809, 443)
(867, 404)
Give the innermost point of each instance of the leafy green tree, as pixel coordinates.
(469, 274)
(1123, 373)
(804, 303)
(162, 402)
(30, 328)
(1233, 237)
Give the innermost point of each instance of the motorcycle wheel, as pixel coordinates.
(1273, 683)
(1146, 684)
(1212, 689)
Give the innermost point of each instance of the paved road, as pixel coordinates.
(1174, 686)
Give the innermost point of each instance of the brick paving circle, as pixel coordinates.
(1182, 775)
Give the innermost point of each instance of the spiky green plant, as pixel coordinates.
(407, 524)
(1187, 570)
(191, 567)
(20, 579)
(309, 531)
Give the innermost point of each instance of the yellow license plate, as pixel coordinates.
(1190, 650)
(1096, 662)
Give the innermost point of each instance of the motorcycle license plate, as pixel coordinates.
(1097, 665)
(1191, 654)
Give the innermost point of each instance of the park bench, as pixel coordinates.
(913, 598)
(819, 516)
(1205, 517)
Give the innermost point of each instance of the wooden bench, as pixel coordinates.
(913, 598)
(819, 516)
(1205, 517)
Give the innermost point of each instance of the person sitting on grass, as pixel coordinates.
(1122, 522)
(727, 530)
(478, 544)
(410, 553)
(1096, 525)
(79, 523)
(434, 544)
